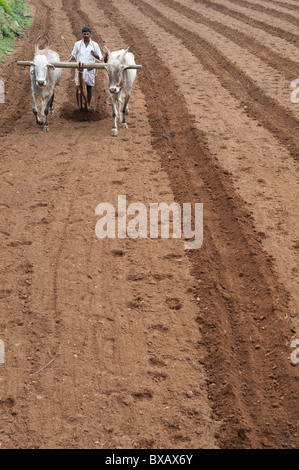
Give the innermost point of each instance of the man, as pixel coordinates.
(86, 50)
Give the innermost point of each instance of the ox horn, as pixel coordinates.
(37, 49)
(124, 53)
(47, 46)
(36, 44)
(108, 52)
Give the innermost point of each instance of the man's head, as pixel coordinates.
(86, 33)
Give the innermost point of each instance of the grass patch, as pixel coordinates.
(15, 15)
(6, 45)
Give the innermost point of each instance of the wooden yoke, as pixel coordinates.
(74, 65)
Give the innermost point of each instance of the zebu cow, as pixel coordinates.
(44, 77)
(120, 80)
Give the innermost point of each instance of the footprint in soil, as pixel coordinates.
(118, 253)
(172, 256)
(157, 377)
(159, 327)
(4, 293)
(20, 243)
(123, 169)
(6, 234)
(162, 277)
(136, 277)
(136, 303)
(296, 245)
(157, 362)
(8, 403)
(173, 303)
(145, 395)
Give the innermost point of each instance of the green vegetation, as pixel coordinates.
(14, 16)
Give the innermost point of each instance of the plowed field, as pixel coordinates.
(139, 343)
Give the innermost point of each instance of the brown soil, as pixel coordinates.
(138, 343)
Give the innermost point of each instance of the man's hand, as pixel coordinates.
(94, 54)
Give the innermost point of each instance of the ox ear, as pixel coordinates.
(51, 67)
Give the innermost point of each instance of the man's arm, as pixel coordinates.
(94, 54)
(74, 53)
(97, 52)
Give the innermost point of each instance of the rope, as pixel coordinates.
(94, 59)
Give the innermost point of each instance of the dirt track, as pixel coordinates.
(128, 328)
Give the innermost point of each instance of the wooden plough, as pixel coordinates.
(80, 66)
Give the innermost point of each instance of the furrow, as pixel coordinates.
(273, 43)
(290, 5)
(259, 106)
(269, 11)
(277, 7)
(174, 133)
(266, 54)
(264, 26)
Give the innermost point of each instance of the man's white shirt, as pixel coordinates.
(82, 53)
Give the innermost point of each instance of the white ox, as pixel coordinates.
(120, 80)
(44, 77)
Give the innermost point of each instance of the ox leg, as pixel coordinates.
(34, 109)
(114, 112)
(125, 106)
(34, 105)
(44, 114)
(51, 112)
(46, 127)
(48, 106)
(119, 110)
